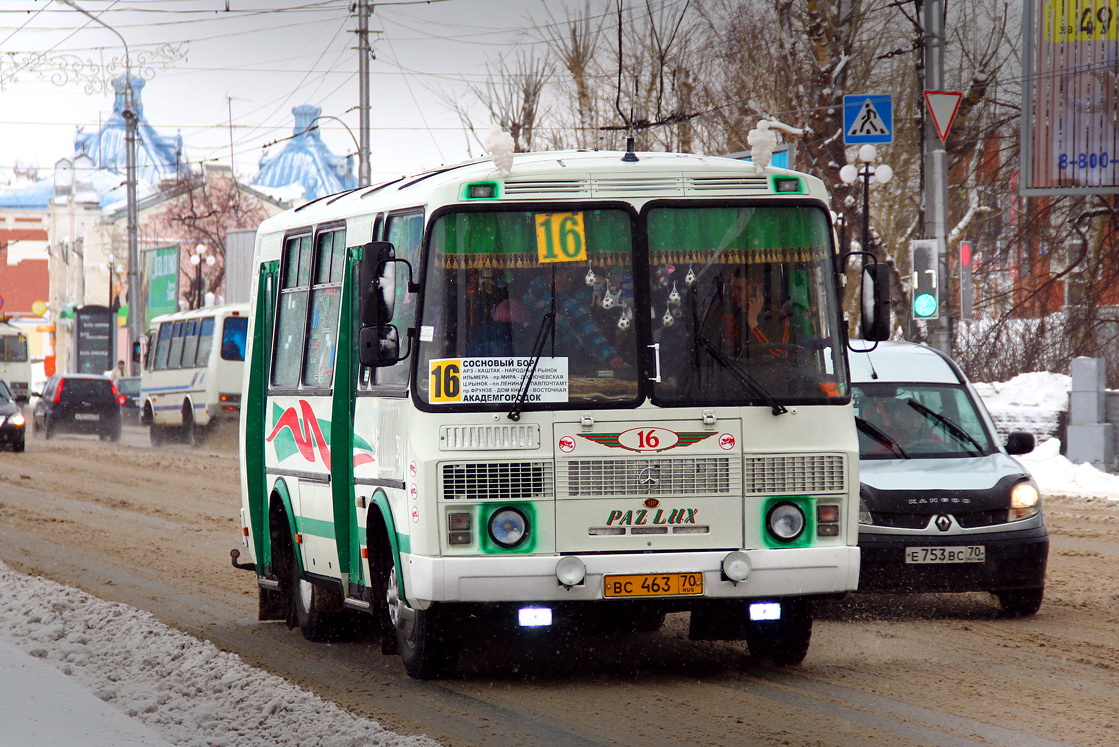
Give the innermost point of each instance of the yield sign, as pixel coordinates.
(943, 106)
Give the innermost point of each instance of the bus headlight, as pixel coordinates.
(1024, 501)
(786, 521)
(508, 527)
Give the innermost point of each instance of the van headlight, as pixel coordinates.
(508, 527)
(786, 521)
(1024, 501)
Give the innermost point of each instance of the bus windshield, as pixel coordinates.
(13, 348)
(742, 305)
(510, 291)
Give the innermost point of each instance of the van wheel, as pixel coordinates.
(1020, 602)
(317, 608)
(427, 646)
(192, 436)
(783, 642)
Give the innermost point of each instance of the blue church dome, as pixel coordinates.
(306, 161)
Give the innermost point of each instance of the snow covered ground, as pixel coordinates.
(126, 679)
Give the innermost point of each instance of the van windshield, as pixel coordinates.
(905, 421)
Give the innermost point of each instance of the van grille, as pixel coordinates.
(794, 474)
(497, 481)
(586, 478)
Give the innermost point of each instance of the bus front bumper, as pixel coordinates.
(505, 578)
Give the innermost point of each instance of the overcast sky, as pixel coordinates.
(248, 66)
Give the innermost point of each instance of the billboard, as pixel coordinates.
(1071, 97)
(161, 282)
(93, 339)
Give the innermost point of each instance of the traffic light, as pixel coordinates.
(926, 296)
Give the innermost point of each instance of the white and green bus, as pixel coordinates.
(15, 363)
(192, 372)
(478, 400)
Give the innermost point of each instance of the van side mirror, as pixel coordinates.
(1019, 442)
(875, 318)
(378, 346)
(377, 284)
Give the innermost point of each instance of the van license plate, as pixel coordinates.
(86, 416)
(953, 554)
(653, 585)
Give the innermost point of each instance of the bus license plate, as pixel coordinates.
(86, 416)
(653, 585)
(953, 554)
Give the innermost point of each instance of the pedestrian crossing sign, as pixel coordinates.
(868, 118)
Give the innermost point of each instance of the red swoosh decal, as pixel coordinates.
(305, 431)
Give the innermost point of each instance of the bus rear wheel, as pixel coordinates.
(783, 642)
(156, 434)
(192, 434)
(428, 649)
(317, 609)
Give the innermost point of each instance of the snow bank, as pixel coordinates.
(1056, 475)
(186, 690)
(1043, 390)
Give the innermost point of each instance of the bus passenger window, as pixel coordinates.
(325, 300)
(291, 316)
(205, 341)
(190, 343)
(163, 346)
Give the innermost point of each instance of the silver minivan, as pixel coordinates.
(945, 506)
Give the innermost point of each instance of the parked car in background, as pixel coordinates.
(79, 403)
(945, 507)
(12, 423)
(129, 389)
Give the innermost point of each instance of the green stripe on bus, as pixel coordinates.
(316, 527)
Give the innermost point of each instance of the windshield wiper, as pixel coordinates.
(880, 436)
(547, 328)
(950, 425)
(741, 375)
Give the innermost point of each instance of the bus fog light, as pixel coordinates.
(786, 521)
(570, 571)
(534, 617)
(508, 527)
(765, 611)
(736, 566)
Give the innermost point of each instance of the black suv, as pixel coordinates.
(11, 419)
(79, 403)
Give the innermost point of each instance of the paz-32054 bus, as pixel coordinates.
(600, 387)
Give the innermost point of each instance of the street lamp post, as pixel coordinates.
(197, 259)
(130, 122)
(869, 172)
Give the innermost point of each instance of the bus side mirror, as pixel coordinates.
(378, 346)
(136, 352)
(377, 284)
(875, 299)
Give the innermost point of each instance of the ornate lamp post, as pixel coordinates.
(130, 121)
(197, 259)
(868, 172)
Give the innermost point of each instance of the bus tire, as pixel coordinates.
(192, 435)
(782, 642)
(317, 608)
(427, 647)
(156, 435)
(380, 565)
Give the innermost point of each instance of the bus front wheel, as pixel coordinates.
(427, 647)
(784, 641)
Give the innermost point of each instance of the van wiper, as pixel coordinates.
(880, 436)
(740, 374)
(547, 329)
(950, 425)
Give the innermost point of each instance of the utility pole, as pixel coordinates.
(936, 167)
(363, 53)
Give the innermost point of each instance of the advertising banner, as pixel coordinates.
(161, 282)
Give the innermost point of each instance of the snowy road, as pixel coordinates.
(152, 529)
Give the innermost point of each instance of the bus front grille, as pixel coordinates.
(794, 474)
(496, 481)
(593, 478)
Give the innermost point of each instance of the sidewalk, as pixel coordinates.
(41, 706)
